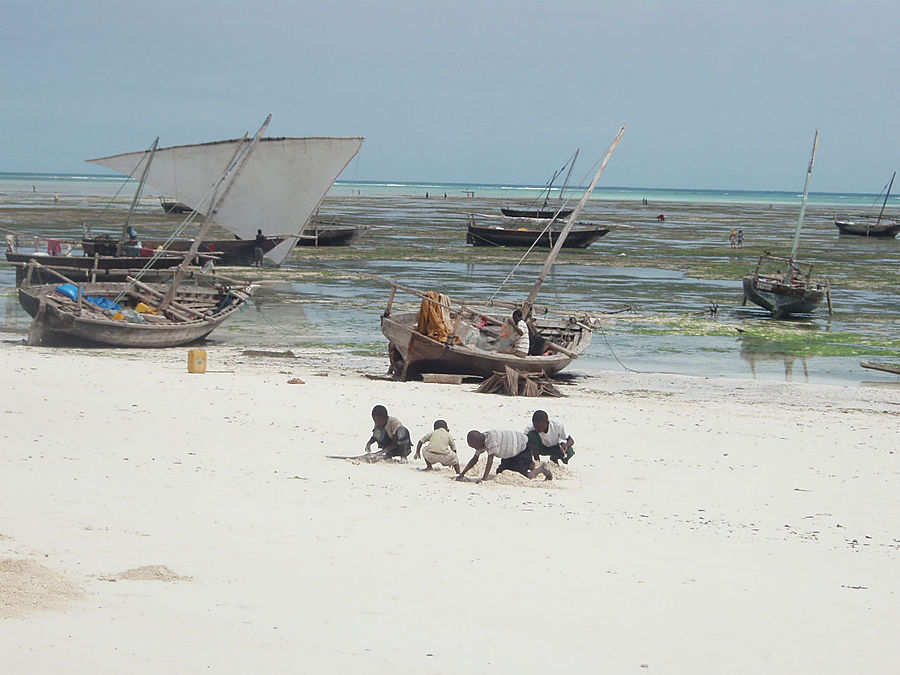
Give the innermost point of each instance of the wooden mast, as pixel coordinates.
(548, 263)
(884, 203)
(137, 195)
(559, 204)
(232, 171)
(809, 169)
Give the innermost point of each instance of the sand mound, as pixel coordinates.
(151, 573)
(26, 587)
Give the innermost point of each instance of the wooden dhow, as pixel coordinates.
(781, 285)
(467, 337)
(867, 226)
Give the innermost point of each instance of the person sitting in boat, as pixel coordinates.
(510, 447)
(133, 237)
(439, 447)
(548, 437)
(521, 339)
(390, 434)
(259, 249)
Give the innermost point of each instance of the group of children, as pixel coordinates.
(517, 451)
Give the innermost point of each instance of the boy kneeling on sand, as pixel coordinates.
(390, 434)
(549, 437)
(440, 448)
(511, 447)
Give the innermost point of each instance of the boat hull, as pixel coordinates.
(781, 299)
(524, 238)
(862, 229)
(83, 268)
(533, 213)
(424, 355)
(55, 325)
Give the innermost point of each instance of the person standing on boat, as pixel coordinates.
(548, 437)
(522, 340)
(259, 249)
(510, 447)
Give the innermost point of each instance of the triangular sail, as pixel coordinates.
(279, 190)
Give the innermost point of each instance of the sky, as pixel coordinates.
(717, 94)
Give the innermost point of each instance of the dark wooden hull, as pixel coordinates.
(780, 298)
(60, 325)
(330, 236)
(535, 213)
(226, 251)
(883, 230)
(172, 206)
(524, 238)
(424, 355)
(83, 268)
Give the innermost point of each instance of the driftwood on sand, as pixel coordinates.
(515, 383)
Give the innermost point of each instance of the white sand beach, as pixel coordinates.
(157, 521)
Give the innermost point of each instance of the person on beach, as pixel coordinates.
(548, 437)
(522, 340)
(439, 447)
(732, 238)
(389, 434)
(510, 447)
(259, 249)
(740, 239)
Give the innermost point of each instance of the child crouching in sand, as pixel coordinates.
(440, 448)
(390, 434)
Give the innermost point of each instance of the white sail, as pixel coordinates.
(279, 189)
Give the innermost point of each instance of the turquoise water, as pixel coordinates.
(21, 184)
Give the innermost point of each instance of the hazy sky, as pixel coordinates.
(717, 94)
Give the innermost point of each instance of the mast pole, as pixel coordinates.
(563, 188)
(137, 193)
(809, 169)
(548, 263)
(881, 213)
(232, 171)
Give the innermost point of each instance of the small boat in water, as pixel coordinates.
(527, 232)
(792, 290)
(448, 336)
(867, 226)
(535, 213)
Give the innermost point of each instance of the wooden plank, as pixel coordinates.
(441, 378)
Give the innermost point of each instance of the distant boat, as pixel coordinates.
(535, 213)
(865, 227)
(281, 189)
(791, 290)
(527, 232)
(543, 212)
(174, 206)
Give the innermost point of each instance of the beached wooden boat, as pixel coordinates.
(867, 226)
(224, 251)
(82, 267)
(524, 232)
(196, 309)
(791, 290)
(883, 367)
(543, 212)
(174, 206)
(535, 213)
(138, 314)
(282, 188)
(466, 337)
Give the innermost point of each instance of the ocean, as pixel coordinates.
(669, 293)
